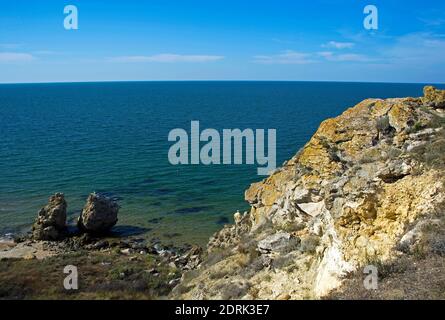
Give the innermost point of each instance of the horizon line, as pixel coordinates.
(214, 80)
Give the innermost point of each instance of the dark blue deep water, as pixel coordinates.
(112, 138)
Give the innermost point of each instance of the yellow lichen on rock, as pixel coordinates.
(346, 199)
(433, 97)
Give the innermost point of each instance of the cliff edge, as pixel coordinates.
(366, 189)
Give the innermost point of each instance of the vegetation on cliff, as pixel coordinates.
(368, 188)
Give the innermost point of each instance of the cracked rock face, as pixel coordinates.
(278, 242)
(99, 214)
(347, 198)
(51, 221)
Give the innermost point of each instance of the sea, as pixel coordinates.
(112, 138)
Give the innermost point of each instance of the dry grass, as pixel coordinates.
(418, 274)
(101, 276)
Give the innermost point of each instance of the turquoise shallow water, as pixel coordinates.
(112, 138)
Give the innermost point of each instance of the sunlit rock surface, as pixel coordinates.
(348, 198)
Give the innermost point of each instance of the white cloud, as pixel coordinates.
(45, 52)
(283, 41)
(419, 48)
(287, 57)
(338, 45)
(9, 46)
(326, 54)
(353, 57)
(292, 57)
(345, 57)
(15, 57)
(167, 58)
(432, 22)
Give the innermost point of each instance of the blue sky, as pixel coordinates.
(222, 40)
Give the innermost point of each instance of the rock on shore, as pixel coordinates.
(99, 214)
(51, 221)
(349, 198)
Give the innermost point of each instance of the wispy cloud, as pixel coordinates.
(353, 57)
(45, 52)
(167, 58)
(345, 57)
(326, 54)
(338, 45)
(283, 41)
(432, 22)
(414, 50)
(10, 46)
(287, 57)
(418, 48)
(6, 57)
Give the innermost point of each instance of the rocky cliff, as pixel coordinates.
(363, 190)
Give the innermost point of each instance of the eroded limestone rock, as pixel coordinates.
(348, 197)
(433, 97)
(278, 242)
(99, 214)
(51, 221)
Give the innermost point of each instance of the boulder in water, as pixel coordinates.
(51, 221)
(99, 214)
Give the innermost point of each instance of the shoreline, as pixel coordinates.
(367, 189)
(111, 267)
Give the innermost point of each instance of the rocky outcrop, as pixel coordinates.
(348, 198)
(99, 214)
(434, 98)
(51, 221)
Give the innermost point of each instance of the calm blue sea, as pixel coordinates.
(112, 138)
